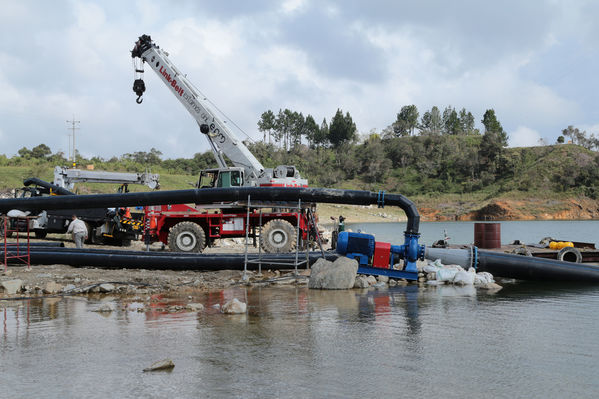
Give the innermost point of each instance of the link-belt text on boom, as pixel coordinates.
(172, 81)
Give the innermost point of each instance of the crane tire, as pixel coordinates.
(186, 237)
(569, 254)
(278, 236)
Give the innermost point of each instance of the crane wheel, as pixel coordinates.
(278, 236)
(186, 237)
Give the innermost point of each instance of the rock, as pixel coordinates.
(380, 285)
(383, 279)
(490, 287)
(234, 306)
(166, 364)
(69, 287)
(392, 283)
(337, 275)
(431, 276)
(371, 280)
(194, 307)
(402, 282)
(106, 287)
(105, 308)
(421, 279)
(52, 287)
(361, 282)
(11, 287)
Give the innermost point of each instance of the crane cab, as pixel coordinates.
(221, 178)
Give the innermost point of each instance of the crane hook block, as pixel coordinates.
(139, 87)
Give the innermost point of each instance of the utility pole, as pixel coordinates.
(74, 127)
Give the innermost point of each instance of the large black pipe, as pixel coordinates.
(172, 261)
(520, 267)
(33, 245)
(215, 195)
(45, 184)
(536, 269)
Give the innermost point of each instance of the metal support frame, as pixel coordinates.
(23, 255)
(260, 258)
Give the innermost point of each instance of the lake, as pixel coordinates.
(528, 340)
(463, 232)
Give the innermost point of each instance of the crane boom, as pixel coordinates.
(66, 178)
(223, 141)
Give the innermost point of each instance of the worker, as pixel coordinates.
(78, 229)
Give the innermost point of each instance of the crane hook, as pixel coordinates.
(139, 87)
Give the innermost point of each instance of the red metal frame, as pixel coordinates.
(23, 256)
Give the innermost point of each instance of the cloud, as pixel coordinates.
(530, 62)
(524, 137)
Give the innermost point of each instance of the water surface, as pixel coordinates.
(525, 341)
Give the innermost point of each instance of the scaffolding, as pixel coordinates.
(296, 263)
(14, 249)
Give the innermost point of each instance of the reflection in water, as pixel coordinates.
(299, 342)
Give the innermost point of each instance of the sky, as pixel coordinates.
(534, 62)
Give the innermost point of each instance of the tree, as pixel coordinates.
(491, 124)
(431, 122)
(311, 129)
(466, 121)
(24, 153)
(41, 151)
(266, 124)
(342, 129)
(407, 121)
(321, 138)
(451, 122)
(560, 140)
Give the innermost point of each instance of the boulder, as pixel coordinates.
(235, 306)
(11, 286)
(337, 275)
(361, 282)
(105, 308)
(106, 287)
(490, 287)
(371, 280)
(383, 279)
(194, 307)
(52, 287)
(166, 364)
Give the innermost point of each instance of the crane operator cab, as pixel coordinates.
(221, 178)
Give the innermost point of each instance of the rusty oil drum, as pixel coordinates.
(487, 235)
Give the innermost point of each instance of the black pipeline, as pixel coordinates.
(215, 195)
(108, 259)
(515, 266)
(45, 184)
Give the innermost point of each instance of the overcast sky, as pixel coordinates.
(535, 62)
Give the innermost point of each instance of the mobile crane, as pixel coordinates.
(190, 228)
(105, 226)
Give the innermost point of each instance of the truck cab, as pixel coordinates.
(221, 178)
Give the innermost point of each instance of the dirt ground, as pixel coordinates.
(48, 280)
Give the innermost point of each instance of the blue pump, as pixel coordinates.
(362, 246)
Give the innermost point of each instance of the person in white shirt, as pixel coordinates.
(79, 230)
